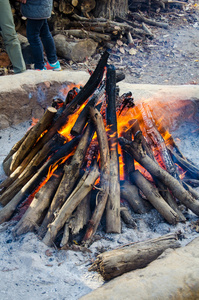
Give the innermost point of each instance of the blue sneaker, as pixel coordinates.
(55, 67)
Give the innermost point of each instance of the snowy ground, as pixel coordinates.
(31, 270)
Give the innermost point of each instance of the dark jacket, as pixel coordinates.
(37, 9)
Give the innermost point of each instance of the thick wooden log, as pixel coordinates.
(104, 178)
(152, 194)
(15, 160)
(29, 187)
(116, 262)
(70, 176)
(130, 193)
(113, 223)
(38, 206)
(170, 199)
(134, 148)
(79, 193)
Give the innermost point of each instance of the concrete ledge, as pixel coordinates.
(174, 275)
(27, 95)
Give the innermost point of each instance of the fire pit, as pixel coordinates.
(49, 214)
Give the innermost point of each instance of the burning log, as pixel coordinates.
(135, 149)
(23, 173)
(29, 187)
(34, 214)
(105, 175)
(33, 135)
(113, 223)
(79, 193)
(134, 256)
(70, 176)
(157, 140)
(84, 115)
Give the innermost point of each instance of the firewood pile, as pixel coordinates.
(88, 160)
(99, 25)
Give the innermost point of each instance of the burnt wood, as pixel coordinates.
(113, 223)
(32, 184)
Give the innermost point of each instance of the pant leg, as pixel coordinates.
(33, 29)
(48, 42)
(10, 38)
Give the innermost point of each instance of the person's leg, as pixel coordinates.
(10, 38)
(33, 29)
(48, 43)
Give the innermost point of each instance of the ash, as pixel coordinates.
(35, 271)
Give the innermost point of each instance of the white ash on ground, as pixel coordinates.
(31, 270)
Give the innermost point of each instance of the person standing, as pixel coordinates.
(10, 39)
(38, 33)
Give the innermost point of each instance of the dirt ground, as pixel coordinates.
(171, 57)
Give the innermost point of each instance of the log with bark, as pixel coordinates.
(134, 256)
(10, 164)
(105, 175)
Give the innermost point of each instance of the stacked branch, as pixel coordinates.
(75, 181)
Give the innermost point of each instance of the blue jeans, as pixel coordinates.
(39, 37)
